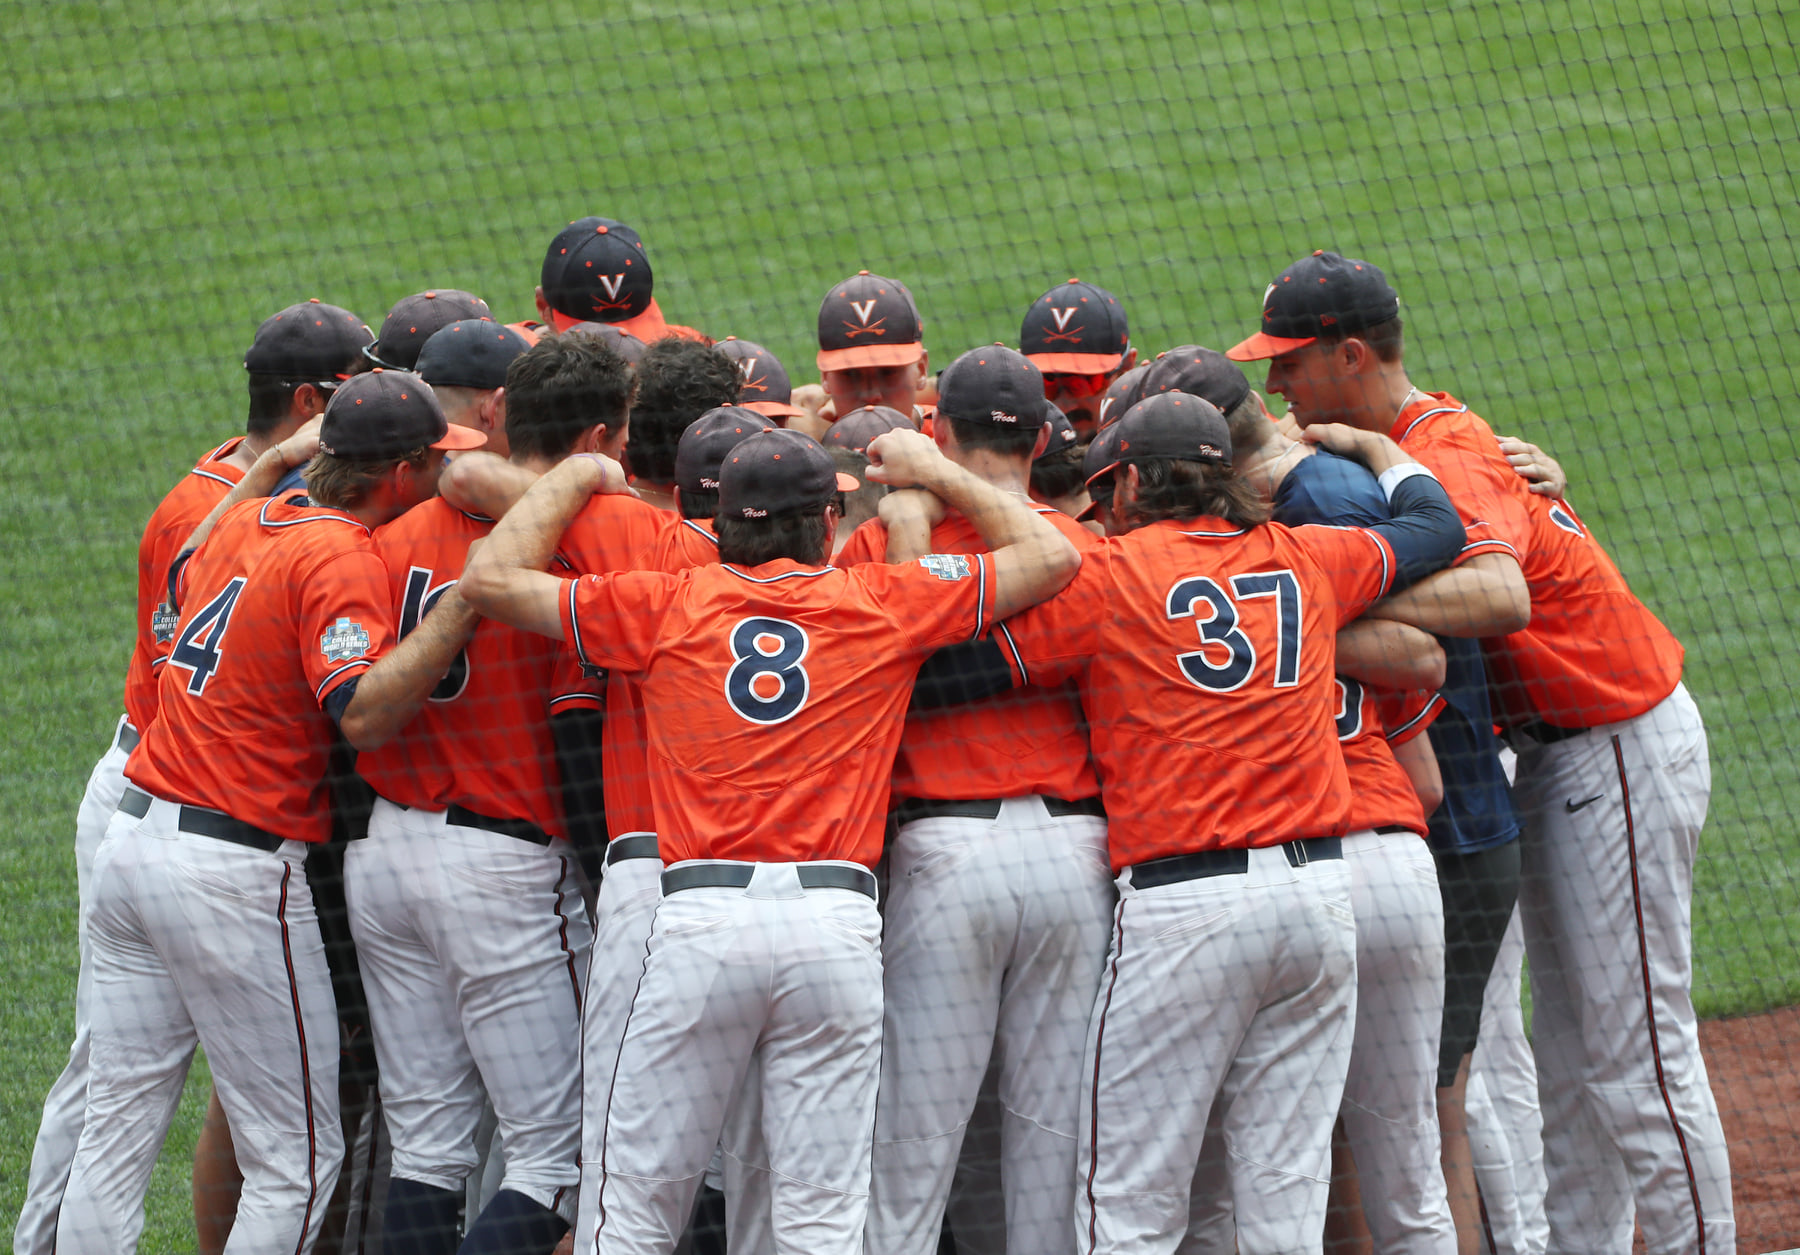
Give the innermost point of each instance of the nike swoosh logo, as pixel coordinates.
(1572, 806)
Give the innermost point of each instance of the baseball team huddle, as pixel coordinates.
(588, 794)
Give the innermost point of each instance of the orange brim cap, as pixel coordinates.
(847, 483)
(773, 409)
(1076, 363)
(460, 438)
(1260, 346)
(871, 355)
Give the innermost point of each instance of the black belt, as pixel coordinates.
(641, 846)
(911, 809)
(523, 829)
(1198, 866)
(737, 876)
(1394, 830)
(127, 739)
(1548, 733)
(206, 823)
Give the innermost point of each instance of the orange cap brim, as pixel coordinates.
(1104, 471)
(773, 409)
(458, 438)
(870, 355)
(1260, 346)
(1075, 363)
(847, 483)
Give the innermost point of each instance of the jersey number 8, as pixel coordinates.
(766, 683)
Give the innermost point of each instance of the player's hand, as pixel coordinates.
(1342, 439)
(299, 448)
(911, 505)
(1543, 473)
(809, 397)
(903, 458)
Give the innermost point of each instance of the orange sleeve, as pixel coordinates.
(572, 688)
(941, 599)
(346, 619)
(1404, 714)
(1359, 564)
(614, 620)
(1052, 641)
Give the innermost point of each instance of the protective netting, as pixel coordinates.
(1587, 211)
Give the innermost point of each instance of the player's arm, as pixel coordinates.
(1390, 655)
(1425, 532)
(484, 483)
(1542, 473)
(1420, 763)
(505, 578)
(1485, 596)
(383, 699)
(909, 515)
(1032, 560)
(259, 481)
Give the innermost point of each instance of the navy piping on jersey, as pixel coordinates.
(693, 526)
(262, 516)
(981, 603)
(312, 1136)
(1241, 531)
(1490, 543)
(319, 692)
(229, 483)
(773, 579)
(1436, 704)
(1442, 409)
(1013, 647)
(575, 624)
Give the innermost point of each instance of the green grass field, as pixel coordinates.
(1589, 210)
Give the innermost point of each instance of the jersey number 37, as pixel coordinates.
(1227, 657)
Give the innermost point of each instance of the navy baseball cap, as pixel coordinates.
(1102, 454)
(473, 353)
(1062, 431)
(708, 440)
(779, 472)
(596, 270)
(1204, 373)
(618, 339)
(1075, 329)
(1169, 425)
(766, 386)
(869, 321)
(993, 385)
(1315, 293)
(854, 430)
(415, 319)
(311, 340)
(1123, 393)
(384, 414)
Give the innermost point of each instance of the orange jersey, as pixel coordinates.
(1204, 654)
(171, 523)
(625, 740)
(775, 695)
(1593, 652)
(1382, 794)
(612, 533)
(1031, 740)
(483, 739)
(281, 606)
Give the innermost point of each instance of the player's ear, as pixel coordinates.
(543, 308)
(493, 410)
(1126, 362)
(1037, 449)
(675, 495)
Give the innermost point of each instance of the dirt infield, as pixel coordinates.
(1754, 1063)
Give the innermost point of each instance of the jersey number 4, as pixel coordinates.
(420, 597)
(1226, 658)
(202, 640)
(766, 683)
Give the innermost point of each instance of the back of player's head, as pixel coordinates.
(1180, 446)
(415, 319)
(1056, 470)
(1325, 298)
(861, 425)
(774, 492)
(560, 387)
(308, 343)
(627, 345)
(993, 398)
(596, 270)
(703, 449)
(470, 353)
(678, 381)
(863, 504)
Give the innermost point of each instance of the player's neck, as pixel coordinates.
(1268, 465)
(662, 496)
(1008, 474)
(1388, 394)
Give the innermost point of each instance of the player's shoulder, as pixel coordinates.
(1439, 419)
(868, 543)
(1085, 539)
(1326, 488)
(431, 521)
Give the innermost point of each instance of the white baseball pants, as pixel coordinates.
(473, 946)
(198, 939)
(60, 1129)
(1241, 987)
(996, 932)
(1506, 1130)
(1612, 821)
(789, 975)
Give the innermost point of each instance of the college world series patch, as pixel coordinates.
(345, 640)
(948, 566)
(163, 622)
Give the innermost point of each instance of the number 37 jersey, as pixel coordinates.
(774, 695)
(280, 607)
(1205, 658)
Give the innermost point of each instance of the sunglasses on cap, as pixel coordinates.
(1076, 385)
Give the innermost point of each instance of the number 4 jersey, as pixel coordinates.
(774, 696)
(1204, 654)
(281, 607)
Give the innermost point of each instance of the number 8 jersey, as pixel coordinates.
(1205, 658)
(774, 695)
(280, 608)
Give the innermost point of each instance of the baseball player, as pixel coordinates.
(1000, 899)
(1077, 335)
(201, 928)
(1056, 478)
(871, 346)
(415, 319)
(464, 898)
(1612, 786)
(1123, 393)
(623, 343)
(1232, 972)
(766, 387)
(848, 442)
(297, 359)
(765, 943)
(597, 270)
(678, 381)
